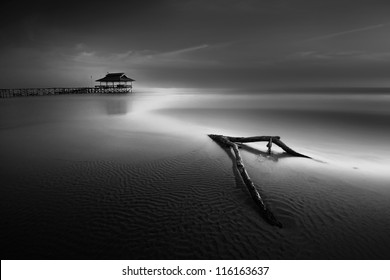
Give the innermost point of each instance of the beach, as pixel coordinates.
(136, 176)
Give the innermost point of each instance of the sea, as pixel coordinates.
(137, 177)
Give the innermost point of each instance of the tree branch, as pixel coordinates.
(230, 142)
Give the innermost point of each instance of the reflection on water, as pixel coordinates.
(86, 128)
(118, 106)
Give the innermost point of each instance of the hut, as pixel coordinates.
(116, 82)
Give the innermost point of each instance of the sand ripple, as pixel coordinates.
(190, 206)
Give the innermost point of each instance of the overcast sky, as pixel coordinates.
(196, 43)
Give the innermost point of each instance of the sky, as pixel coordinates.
(197, 43)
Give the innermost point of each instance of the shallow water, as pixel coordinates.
(349, 130)
(127, 177)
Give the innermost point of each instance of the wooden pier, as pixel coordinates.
(112, 83)
(20, 92)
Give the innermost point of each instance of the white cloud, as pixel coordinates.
(346, 32)
(185, 57)
(186, 50)
(341, 55)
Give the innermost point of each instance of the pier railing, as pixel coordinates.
(20, 92)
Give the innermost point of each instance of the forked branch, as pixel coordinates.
(230, 142)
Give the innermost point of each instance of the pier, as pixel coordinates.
(112, 83)
(21, 92)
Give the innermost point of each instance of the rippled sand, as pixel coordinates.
(178, 196)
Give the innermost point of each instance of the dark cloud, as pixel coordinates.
(195, 43)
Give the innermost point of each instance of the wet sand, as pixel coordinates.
(137, 178)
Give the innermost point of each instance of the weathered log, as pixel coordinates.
(275, 139)
(269, 145)
(265, 212)
(230, 142)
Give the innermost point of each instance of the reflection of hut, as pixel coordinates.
(118, 106)
(116, 82)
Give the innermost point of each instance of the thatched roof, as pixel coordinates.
(115, 77)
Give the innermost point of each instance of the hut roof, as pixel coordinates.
(115, 77)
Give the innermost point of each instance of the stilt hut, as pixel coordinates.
(116, 82)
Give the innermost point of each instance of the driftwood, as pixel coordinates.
(230, 142)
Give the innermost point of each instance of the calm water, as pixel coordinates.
(349, 133)
(350, 130)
